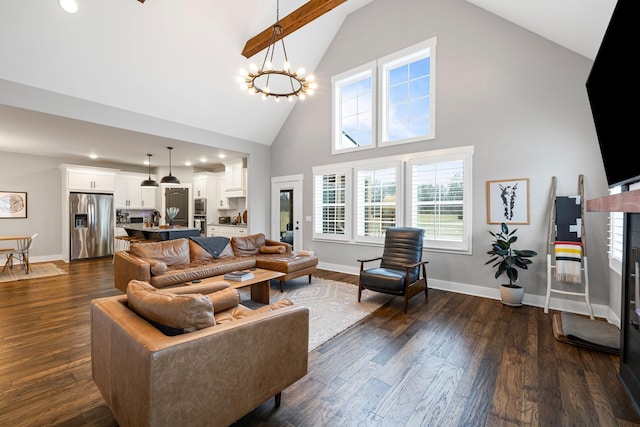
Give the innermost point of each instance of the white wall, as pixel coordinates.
(519, 99)
(40, 178)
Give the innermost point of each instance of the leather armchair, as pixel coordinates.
(212, 376)
(401, 271)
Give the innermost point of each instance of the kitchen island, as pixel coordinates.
(160, 233)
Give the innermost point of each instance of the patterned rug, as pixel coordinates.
(35, 272)
(333, 306)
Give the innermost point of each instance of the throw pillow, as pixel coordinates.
(275, 249)
(157, 267)
(188, 312)
(224, 299)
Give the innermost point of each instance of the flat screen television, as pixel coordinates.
(613, 91)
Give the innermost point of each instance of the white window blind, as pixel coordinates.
(616, 229)
(377, 200)
(330, 203)
(440, 198)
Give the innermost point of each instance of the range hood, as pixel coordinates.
(234, 179)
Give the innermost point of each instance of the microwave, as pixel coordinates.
(200, 206)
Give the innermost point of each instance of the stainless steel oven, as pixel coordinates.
(200, 206)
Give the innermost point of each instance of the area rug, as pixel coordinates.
(333, 306)
(35, 272)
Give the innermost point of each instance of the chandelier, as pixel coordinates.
(273, 82)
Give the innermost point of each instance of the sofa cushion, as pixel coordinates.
(171, 252)
(188, 312)
(275, 249)
(198, 253)
(177, 274)
(247, 245)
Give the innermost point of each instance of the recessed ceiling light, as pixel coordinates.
(187, 163)
(221, 156)
(93, 156)
(69, 6)
(203, 160)
(147, 162)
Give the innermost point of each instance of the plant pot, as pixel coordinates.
(511, 295)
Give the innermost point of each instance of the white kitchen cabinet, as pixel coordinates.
(222, 202)
(148, 197)
(91, 180)
(225, 231)
(234, 176)
(200, 186)
(129, 193)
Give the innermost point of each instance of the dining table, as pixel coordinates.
(22, 242)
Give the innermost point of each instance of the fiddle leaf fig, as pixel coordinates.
(504, 258)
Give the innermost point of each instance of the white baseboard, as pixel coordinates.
(570, 306)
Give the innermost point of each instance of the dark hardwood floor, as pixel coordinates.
(454, 360)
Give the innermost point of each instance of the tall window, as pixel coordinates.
(440, 198)
(616, 229)
(387, 101)
(330, 204)
(407, 93)
(353, 118)
(377, 199)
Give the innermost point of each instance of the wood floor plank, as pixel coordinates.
(452, 360)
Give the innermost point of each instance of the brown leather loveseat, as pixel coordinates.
(175, 262)
(225, 361)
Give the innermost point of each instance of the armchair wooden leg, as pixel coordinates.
(359, 292)
(278, 399)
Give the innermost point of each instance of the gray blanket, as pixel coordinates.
(213, 245)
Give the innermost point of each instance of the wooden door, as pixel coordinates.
(178, 197)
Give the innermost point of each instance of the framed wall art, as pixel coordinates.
(13, 204)
(508, 201)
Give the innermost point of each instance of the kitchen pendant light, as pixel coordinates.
(170, 179)
(149, 182)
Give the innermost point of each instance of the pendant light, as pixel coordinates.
(149, 182)
(170, 179)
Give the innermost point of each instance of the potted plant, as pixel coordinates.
(505, 259)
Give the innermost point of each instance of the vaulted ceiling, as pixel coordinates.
(177, 61)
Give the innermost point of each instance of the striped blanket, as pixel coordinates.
(568, 261)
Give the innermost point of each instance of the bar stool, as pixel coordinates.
(122, 243)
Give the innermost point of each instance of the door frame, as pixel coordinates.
(289, 182)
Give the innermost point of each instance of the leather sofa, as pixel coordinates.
(233, 360)
(176, 262)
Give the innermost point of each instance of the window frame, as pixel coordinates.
(408, 55)
(337, 83)
(464, 154)
(321, 172)
(403, 196)
(357, 204)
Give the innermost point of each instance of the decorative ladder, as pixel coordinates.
(579, 229)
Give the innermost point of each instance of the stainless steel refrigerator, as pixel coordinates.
(91, 225)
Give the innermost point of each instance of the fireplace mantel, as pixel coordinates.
(627, 201)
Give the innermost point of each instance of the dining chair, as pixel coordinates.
(20, 254)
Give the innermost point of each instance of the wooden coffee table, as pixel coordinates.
(259, 283)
